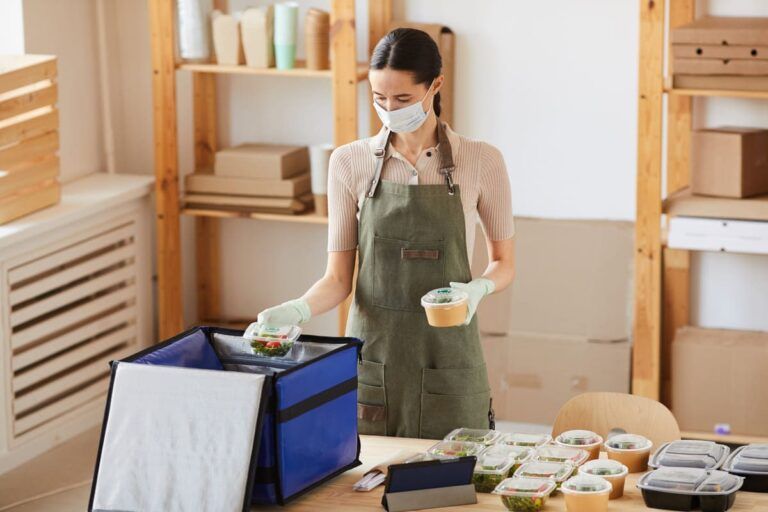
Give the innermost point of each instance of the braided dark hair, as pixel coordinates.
(409, 49)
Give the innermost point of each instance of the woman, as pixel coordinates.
(408, 200)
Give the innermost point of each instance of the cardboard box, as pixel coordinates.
(718, 51)
(729, 162)
(572, 277)
(212, 184)
(719, 376)
(266, 161)
(737, 67)
(720, 82)
(533, 375)
(731, 31)
(726, 235)
(683, 203)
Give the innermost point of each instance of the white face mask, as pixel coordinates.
(406, 119)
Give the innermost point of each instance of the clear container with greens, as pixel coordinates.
(454, 449)
(474, 435)
(556, 471)
(496, 463)
(272, 341)
(551, 453)
(529, 440)
(525, 494)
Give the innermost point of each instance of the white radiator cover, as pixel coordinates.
(70, 302)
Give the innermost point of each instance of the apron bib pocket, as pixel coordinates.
(453, 398)
(371, 399)
(403, 271)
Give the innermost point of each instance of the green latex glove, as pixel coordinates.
(476, 289)
(293, 312)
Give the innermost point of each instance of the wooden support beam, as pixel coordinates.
(676, 283)
(168, 261)
(379, 18)
(647, 310)
(679, 115)
(207, 237)
(344, 83)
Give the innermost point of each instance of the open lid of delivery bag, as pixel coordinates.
(180, 436)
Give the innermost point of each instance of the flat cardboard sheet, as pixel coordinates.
(723, 31)
(178, 439)
(719, 376)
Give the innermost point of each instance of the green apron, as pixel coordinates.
(414, 380)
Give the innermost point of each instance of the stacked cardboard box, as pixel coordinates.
(721, 53)
(254, 177)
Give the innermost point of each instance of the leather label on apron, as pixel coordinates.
(419, 254)
(371, 412)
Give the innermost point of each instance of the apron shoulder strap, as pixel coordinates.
(381, 143)
(446, 156)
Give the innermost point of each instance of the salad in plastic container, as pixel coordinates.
(530, 440)
(555, 471)
(520, 494)
(496, 463)
(454, 449)
(473, 435)
(272, 341)
(552, 453)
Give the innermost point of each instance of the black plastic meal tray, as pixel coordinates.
(753, 483)
(685, 502)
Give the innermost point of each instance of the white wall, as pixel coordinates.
(68, 30)
(11, 27)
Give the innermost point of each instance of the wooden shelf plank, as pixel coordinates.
(724, 438)
(304, 218)
(717, 93)
(684, 203)
(298, 72)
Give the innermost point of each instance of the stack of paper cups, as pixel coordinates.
(317, 38)
(286, 26)
(319, 156)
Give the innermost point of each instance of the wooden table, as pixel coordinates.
(338, 496)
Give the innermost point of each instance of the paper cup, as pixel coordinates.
(286, 23)
(285, 56)
(319, 156)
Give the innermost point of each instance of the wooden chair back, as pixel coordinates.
(603, 412)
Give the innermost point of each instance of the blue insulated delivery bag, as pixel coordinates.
(302, 426)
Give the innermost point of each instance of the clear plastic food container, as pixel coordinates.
(751, 462)
(612, 470)
(556, 471)
(454, 449)
(584, 439)
(631, 450)
(690, 454)
(586, 493)
(530, 440)
(689, 488)
(553, 453)
(473, 435)
(419, 457)
(445, 307)
(525, 494)
(496, 463)
(272, 341)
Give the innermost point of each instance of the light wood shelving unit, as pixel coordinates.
(662, 275)
(345, 74)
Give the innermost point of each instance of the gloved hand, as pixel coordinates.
(476, 289)
(293, 312)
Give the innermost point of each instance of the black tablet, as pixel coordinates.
(429, 474)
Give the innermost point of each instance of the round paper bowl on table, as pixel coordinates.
(631, 450)
(586, 493)
(584, 439)
(612, 470)
(445, 307)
